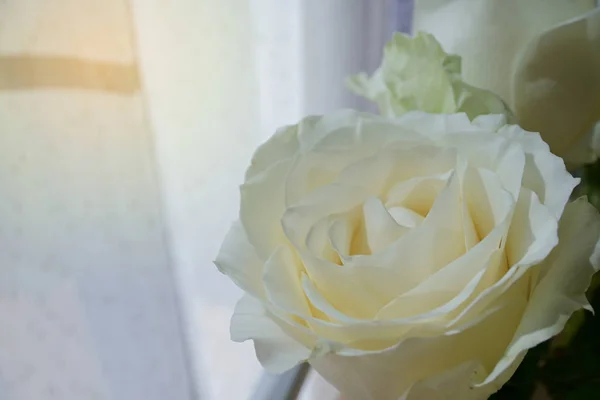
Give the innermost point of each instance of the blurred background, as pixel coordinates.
(125, 130)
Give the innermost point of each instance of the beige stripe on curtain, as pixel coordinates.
(88, 307)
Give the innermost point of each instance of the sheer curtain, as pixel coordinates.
(87, 301)
(125, 128)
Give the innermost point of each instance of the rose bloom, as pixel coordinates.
(542, 57)
(413, 258)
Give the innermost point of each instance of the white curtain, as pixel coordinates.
(125, 128)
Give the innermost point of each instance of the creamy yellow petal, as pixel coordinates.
(314, 130)
(447, 288)
(450, 385)
(314, 170)
(317, 205)
(281, 278)
(340, 236)
(328, 144)
(417, 194)
(380, 227)
(533, 232)
(238, 260)
(277, 349)
(487, 200)
(544, 173)
(491, 122)
(357, 291)
(437, 126)
(318, 240)
(388, 374)
(406, 217)
(428, 247)
(262, 205)
(510, 168)
(565, 277)
(379, 172)
(282, 145)
(319, 301)
(288, 141)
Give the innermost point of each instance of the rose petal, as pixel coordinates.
(340, 236)
(262, 205)
(406, 217)
(566, 277)
(433, 244)
(450, 384)
(281, 146)
(487, 200)
(456, 281)
(238, 260)
(490, 122)
(471, 235)
(314, 170)
(315, 130)
(288, 141)
(379, 172)
(436, 126)
(358, 292)
(533, 232)
(277, 349)
(322, 304)
(544, 173)
(380, 228)
(417, 194)
(389, 373)
(318, 241)
(319, 204)
(281, 278)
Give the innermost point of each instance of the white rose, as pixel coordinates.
(416, 74)
(541, 56)
(407, 257)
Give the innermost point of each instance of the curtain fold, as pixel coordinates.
(87, 301)
(199, 73)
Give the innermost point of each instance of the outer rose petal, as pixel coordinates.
(388, 374)
(282, 282)
(288, 141)
(282, 145)
(544, 173)
(565, 277)
(238, 260)
(276, 349)
(262, 205)
(449, 385)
